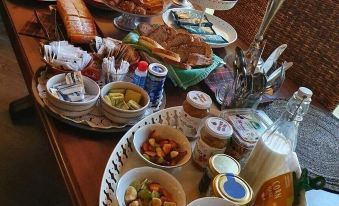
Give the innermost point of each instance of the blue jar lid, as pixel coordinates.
(233, 188)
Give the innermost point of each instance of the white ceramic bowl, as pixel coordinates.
(211, 201)
(119, 115)
(165, 179)
(91, 88)
(166, 132)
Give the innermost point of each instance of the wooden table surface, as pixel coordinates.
(81, 155)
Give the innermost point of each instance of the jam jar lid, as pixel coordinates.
(199, 100)
(221, 164)
(232, 188)
(157, 69)
(218, 127)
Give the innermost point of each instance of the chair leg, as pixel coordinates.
(21, 109)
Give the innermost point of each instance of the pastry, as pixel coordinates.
(78, 22)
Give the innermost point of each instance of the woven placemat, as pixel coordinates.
(317, 144)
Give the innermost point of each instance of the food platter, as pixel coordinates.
(124, 158)
(220, 26)
(128, 21)
(94, 121)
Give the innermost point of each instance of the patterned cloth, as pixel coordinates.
(221, 76)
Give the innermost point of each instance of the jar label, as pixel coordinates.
(189, 125)
(247, 127)
(202, 152)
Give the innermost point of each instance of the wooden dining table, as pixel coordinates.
(81, 155)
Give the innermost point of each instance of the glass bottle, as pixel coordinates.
(271, 154)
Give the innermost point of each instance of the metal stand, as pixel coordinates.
(126, 22)
(21, 108)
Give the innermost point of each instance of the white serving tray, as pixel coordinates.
(124, 158)
(220, 26)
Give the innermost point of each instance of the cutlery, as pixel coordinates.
(273, 58)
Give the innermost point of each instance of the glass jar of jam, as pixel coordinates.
(194, 109)
(218, 164)
(213, 139)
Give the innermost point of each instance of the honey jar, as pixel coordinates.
(213, 139)
(194, 109)
(232, 188)
(218, 164)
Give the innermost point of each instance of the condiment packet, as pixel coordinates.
(190, 18)
(198, 30)
(72, 89)
(63, 54)
(217, 39)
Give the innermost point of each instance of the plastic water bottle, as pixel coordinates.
(140, 74)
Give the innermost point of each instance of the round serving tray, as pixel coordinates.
(129, 21)
(83, 124)
(220, 26)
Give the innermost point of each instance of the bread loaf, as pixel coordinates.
(148, 43)
(163, 53)
(78, 22)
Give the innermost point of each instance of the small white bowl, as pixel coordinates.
(166, 132)
(165, 179)
(91, 88)
(212, 201)
(125, 115)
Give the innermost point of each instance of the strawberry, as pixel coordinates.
(154, 134)
(173, 143)
(144, 147)
(162, 142)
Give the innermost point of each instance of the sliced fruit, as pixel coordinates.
(154, 187)
(151, 141)
(166, 148)
(174, 154)
(150, 153)
(159, 152)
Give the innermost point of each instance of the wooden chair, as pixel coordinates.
(310, 29)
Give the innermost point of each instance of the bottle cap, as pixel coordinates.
(221, 164)
(232, 188)
(304, 92)
(218, 127)
(158, 70)
(199, 100)
(142, 66)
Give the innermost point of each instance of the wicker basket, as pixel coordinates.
(309, 28)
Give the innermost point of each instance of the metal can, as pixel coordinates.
(155, 82)
(194, 109)
(232, 188)
(213, 139)
(218, 164)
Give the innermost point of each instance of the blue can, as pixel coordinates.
(155, 82)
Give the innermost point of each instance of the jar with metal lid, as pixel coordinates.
(195, 108)
(231, 188)
(213, 139)
(247, 130)
(218, 164)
